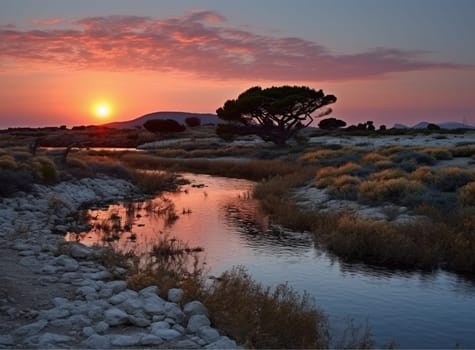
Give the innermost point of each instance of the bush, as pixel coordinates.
(419, 158)
(331, 124)
(260, 317)
(439, 153)
(345, 187)
(327, 175)
(45, 169)
(14, 180)
(8, 162)
(466, 195)
(163, 126)
(399, 190)
(193, 122)
(451, 178)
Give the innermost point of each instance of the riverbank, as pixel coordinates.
(57, 294)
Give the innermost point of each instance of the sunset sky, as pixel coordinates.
(88, 62)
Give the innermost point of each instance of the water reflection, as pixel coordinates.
(417, 309)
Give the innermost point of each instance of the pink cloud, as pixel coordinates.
(201, 44)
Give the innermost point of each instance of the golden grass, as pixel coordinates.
(265, 318)
(249, 169)
(394, 190)
(466, 195)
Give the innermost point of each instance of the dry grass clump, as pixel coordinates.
(424, 174)
(172, 264)
(400, 190)
(260, 317)
(439, 153)
(326, 176)
(155, 181)
(8, 162)
(452, 178)
(373, 158)
(251, 169)
(345, 187)
(414, 245)
(321, 154)
(388, 174)
(463, 151)
(466, 195)
(45, 169)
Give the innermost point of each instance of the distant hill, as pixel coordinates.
(446, 125)
(206, 118)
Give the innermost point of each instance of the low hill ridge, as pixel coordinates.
(206, 118)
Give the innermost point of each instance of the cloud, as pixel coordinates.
(47, 21)
(202, 44)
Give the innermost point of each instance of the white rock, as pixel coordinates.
(79, 251)
(196, 322)
(51, 339)
(132, 305)
(101, 327)
(150, 339)
(6, 340)
(88, 331)
(55, 313)
(208, 334)
(149, 290)
(122, 296)
(69, 264)
(166, 334)
(97, 341)
(115, 316)
(175, 295)
(223, 343)
(186, 344)
(30, 329)
(139, 321)
(172, 310)
(159, 325)
(117, 286)
(194, 308)
(125, 340)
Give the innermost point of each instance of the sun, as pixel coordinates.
(102, 110)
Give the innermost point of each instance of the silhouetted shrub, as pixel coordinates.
(432, 126)
(193, 122)
(331, 124)
(14, 180)
(163, 126)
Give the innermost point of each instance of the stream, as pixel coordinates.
(415, 309)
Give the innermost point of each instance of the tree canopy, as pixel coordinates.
(331, 124)
(163, 126)
(277, 113)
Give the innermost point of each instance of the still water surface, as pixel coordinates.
(414, 309)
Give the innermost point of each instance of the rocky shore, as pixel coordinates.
(58, 295)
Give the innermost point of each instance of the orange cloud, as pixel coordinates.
(199, 43)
